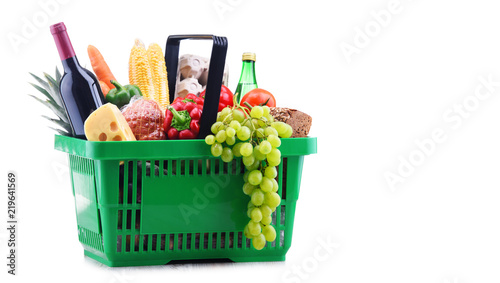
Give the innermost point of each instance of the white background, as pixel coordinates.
(413, 62)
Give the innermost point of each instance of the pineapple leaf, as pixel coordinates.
(58, 75)
(58, 110)
(42, 90)
(44, 84)
(55, 88)
(61, 132)
(51, 80)
(60, 123)
(49, 87)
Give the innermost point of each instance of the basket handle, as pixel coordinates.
(215, 75)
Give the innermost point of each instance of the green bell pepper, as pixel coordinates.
(121, 95)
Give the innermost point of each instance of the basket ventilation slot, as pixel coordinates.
(188, 242)
(129, 238)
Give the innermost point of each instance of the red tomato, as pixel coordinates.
(225, 99)
(258, 96)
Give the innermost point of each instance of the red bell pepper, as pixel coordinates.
(194, 98)
(225, 99)
(182, 118)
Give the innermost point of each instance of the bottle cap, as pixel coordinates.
(248, 56)
(57, 28)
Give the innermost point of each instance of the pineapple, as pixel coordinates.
(50, 89)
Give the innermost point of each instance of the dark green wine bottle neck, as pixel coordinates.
(71, 64)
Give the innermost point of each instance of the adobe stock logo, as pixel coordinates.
(222, 7)
(364, 35)
(454, 117)
(31, 26)
(202, 198)
(324, 250)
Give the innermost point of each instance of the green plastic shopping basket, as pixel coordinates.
(153, 202)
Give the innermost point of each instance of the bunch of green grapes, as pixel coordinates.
(254, 136)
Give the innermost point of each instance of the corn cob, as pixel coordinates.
(140, 73)
(159, 72)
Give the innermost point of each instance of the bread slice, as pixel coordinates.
(300, 121)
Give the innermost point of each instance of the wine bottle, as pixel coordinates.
(80, 90)
(247, 79)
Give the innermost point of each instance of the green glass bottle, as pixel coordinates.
(247, 79)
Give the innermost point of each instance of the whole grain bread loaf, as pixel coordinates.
(300, 121)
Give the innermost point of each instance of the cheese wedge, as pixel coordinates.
(107, 123)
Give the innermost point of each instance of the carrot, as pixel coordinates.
(104, 88)
(100, 67)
